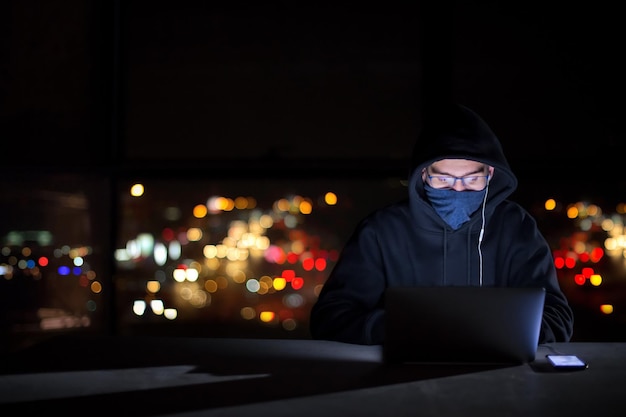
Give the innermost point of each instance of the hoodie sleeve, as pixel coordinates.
(531, 263)
(349, 307)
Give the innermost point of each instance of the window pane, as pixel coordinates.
(244, 257)
(53, 261)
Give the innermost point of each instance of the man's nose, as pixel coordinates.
(458, 185)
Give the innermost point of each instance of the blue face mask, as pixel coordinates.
(454, 207)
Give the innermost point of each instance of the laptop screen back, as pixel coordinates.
(462, 324)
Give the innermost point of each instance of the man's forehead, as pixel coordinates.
(466, 164)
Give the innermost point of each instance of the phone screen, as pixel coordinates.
(566, 362)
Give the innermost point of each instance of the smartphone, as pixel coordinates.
(565, 362)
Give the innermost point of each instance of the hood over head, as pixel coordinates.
(456, 132)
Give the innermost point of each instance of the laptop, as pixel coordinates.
(469, 325)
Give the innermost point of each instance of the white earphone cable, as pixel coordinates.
(480, 237)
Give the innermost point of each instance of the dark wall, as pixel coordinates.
(56, 69)
(102, 83)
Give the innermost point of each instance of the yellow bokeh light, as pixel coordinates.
(572, 212)
(153, 286)
(241, 203)
(283, 204)
(550, 204)
(266, 221)
(595, 280)
(279, 283)
(96, 287)
(593, 210)
(230, 204)
(606, 308)
(330, 198)
(223, 203)
(209, 251)
(137, 190)
(306, 207)
(607, 225)
(200, 211)
(610, 244)
(267, 316)
(194, 234)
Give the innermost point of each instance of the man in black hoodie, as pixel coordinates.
(456, 228)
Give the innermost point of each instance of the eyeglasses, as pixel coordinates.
(473, 182)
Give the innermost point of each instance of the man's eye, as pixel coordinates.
(470, 179)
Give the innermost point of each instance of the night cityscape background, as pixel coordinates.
(194, 169)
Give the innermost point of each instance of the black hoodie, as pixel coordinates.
(408, 244)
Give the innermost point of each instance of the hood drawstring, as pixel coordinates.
(468, 257)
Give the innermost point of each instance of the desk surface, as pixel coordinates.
(150, 376)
